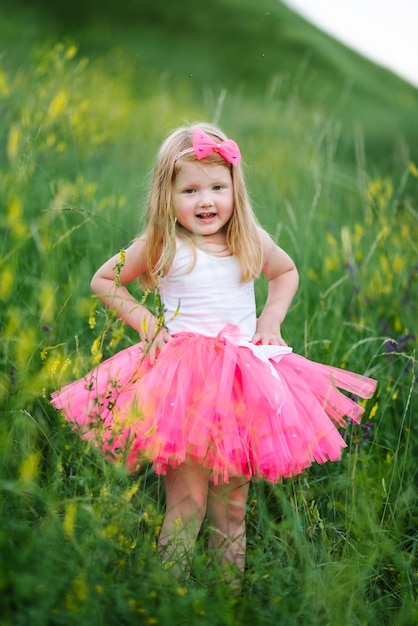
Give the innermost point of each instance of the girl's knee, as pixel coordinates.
(194, 507)
(227, 510)
(187, 493)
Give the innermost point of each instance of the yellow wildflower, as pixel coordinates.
(312, 275)
(28, 469)
(331, 240)
(6, 282)
(51, 139)
(413, 169)
(80, 587)
(398, 264)
(96, 350)
(181, 591)
(13, 142)
(47, 302)
(130, 492)
(92, 317)
(144, 326)
(332, 262)
(358, 232)
(397, 324)
(71, 52)
(58, 105)
(14, 211)
(25, 347)
(4, 85)
(69, 519)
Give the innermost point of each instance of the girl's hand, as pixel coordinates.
(156, 343)
(268, 333)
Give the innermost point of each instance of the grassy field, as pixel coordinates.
(87, 93)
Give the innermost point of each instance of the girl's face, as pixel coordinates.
(203, 199)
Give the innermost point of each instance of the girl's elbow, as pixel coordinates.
(94, 284)
(295, 278)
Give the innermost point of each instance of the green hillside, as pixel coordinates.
(248, 48)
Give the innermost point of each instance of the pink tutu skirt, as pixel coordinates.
(210, 401)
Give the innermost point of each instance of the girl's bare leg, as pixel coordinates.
(186, 500)
(227, 539)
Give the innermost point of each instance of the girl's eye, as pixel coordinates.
(189, 191)
(217, 187)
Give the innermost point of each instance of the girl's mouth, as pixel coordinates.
(205, 216)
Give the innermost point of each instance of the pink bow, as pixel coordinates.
(203, 145)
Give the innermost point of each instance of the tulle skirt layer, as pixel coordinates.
(209, 401)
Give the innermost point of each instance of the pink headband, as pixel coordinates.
(203, 146)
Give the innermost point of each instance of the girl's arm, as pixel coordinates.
(108, 284)
(283, 279)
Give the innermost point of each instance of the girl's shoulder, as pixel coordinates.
(138, 246)
(266, 241)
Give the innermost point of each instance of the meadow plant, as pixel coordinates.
(78, 535)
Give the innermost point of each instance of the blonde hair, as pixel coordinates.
(242, 235)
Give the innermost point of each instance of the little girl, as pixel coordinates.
(211, 395)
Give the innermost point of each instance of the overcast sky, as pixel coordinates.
(385, 31)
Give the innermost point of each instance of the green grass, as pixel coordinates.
(80, 122)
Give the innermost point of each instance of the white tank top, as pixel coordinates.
(204, 296)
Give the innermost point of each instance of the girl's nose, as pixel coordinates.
(206, 199)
